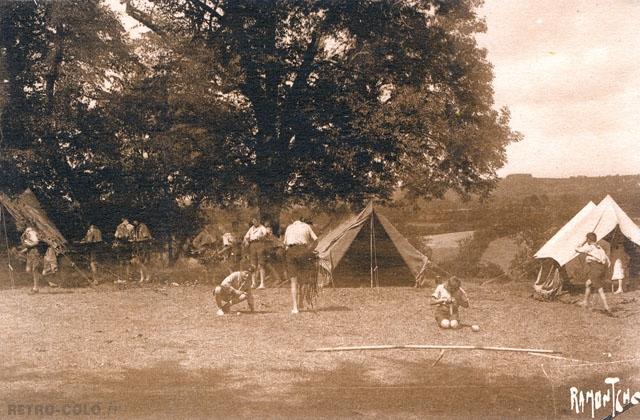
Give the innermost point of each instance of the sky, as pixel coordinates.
(569, 71)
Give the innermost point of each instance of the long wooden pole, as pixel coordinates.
(371, 250)
(6, 242)
(430, 347)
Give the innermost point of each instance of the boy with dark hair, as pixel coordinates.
(448, 297)
(597, 264)
(235, 288)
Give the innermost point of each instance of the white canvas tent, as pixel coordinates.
(605, 219)
(375, 245)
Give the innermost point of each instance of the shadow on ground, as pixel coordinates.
(168, 390)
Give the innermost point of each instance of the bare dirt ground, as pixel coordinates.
(160, 352)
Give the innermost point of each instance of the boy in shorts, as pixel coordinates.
(448, 297)
(235, 288)
(597, 265)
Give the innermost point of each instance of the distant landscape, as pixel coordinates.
(524, 209)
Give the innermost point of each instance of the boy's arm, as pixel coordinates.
(464, 300)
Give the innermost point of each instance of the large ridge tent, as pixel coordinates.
(27, 211)
(368, 249)
(558, 255)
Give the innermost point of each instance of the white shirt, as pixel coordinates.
(441, 292)
(594, 253)
(299, 233)
(30, 237)
(228, 239)
(237, 280)
(255, 233)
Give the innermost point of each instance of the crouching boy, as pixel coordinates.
(448, 297)
(235, 288)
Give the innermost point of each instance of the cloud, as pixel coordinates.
(568, 72)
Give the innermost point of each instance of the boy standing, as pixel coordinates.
(235, 288)
(597, 263)
(448, 297)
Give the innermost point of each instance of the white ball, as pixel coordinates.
(475, 328)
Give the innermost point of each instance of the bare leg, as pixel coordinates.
(93, 264)
(587, 294)
(294, 295)
(35, 279)
(604, 299)
(301, 290)
(261, 271)
(222, 305)
(250, 301)
(619, 287)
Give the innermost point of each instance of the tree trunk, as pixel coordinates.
(270, 203)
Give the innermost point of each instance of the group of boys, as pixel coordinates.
(299, 243)
(133, 241)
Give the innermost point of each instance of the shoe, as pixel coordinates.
(120, 282)
(294, 311)
(220, 312)
(617, 292)
(34, 291)
(262, 286)
(52, 284)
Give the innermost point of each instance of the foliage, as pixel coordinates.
(269, 103)
(344, 101)
(63, 61)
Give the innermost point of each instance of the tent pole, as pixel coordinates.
(375, 254)
(371, 251)
(539, 275)
(6, 242)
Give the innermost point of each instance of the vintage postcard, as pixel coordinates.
(319, 209)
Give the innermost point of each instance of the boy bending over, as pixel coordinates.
(448, 297)
(235, 288)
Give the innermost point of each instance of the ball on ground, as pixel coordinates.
(475, 328)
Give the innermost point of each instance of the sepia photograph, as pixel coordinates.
(319, 209)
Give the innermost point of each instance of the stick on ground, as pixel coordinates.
(430, 347)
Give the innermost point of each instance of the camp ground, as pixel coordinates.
(306, 209)
(368, 347)
(560, 263)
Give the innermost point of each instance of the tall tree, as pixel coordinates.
(348, 100)
(62, 62)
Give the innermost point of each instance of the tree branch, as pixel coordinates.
(204, 6)
(144, 18)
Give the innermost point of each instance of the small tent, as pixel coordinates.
(368, 249)
(27, 211)
(558, 255)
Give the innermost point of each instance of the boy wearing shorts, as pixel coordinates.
(448, 297)
(235, 288)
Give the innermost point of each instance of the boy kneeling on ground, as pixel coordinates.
(448, 297)
(235, 288)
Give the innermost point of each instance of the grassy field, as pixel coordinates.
(160, 352)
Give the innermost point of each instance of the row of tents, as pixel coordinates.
(367, 248)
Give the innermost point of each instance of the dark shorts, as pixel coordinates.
(256, 253)
(596, 272)
(442, 312)
(301, 263)
(123, 251)
(226, 293)
(34, 259)
(142, 250)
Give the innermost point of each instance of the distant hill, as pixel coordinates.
(625, 189)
